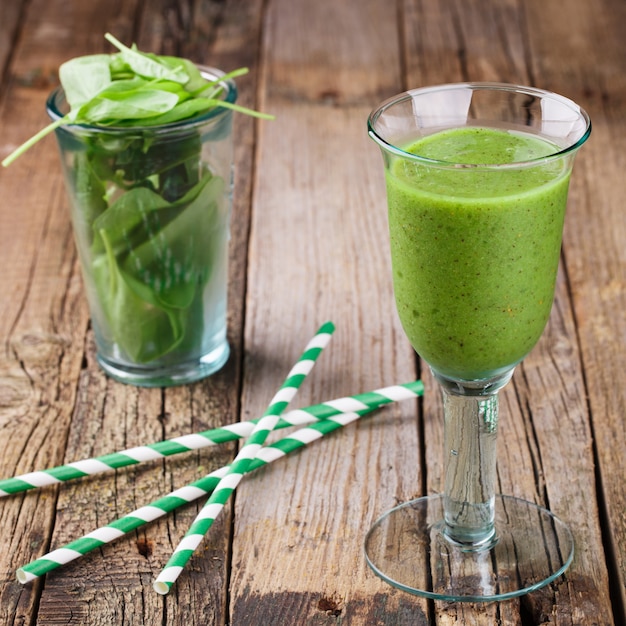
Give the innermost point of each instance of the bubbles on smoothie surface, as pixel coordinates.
(474, 145)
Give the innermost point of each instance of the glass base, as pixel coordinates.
(168, 376)
(407, 549)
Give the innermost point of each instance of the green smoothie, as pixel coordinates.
(475, 250)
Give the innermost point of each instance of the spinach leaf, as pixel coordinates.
(149, 66)
(182, 110)
(179, 259)
(89, 192)
(84, 77)
(142, 331)
(153, 259)
(140, 104)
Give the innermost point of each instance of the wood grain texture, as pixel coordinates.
(305, 538)
(43, 321)
(595, 221)
(308, 243)
(333, 52)
(318, 251)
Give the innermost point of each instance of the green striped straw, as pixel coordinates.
(207, 484)
(87, 467)
(284, 395)
(180, 497)
(228, 483)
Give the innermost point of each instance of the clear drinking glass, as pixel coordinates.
(150, 209)
(477, 179)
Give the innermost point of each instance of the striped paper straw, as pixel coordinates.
(207, 484)
(228, 483)
(176, 499)
(361, 403)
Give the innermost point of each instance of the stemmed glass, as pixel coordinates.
(477, 179)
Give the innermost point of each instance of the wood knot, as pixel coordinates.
(145, 547)
(330, 606)
(329, 96)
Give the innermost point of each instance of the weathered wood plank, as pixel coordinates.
(307, 516)
(460, 40)
(333, 52)
(454, 41)
(596, 222)
(43, 319)
(598, 292)
(318, 251)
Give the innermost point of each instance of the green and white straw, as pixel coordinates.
(175, 499)
(341, 416)
(228, 483)
(361, 403)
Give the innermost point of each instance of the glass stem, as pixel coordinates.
(470, 435)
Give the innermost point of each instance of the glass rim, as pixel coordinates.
(476, 86)
(230, 96)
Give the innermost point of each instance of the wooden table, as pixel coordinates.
(308, 244)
